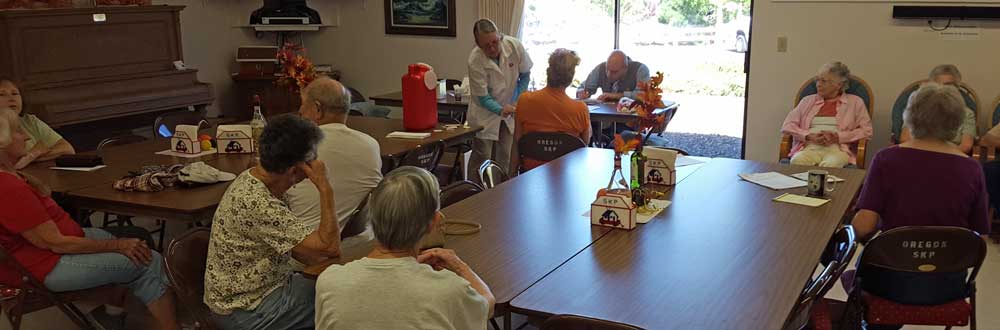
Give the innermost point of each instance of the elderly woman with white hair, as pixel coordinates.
(397, 286)
(550, 109)
(825, 124)
(43, 238)
(948, 74)
(926, 181)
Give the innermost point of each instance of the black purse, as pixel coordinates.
(79, 161)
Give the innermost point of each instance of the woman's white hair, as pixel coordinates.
(840, 70)
(8, 123)
(937, 112)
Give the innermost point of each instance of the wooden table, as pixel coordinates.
(722, 256)
(608, 112)
(450, 110)
(94, 191)
(531, 224)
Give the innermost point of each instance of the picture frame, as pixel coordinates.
(420, 17)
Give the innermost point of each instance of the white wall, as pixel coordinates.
(888, 54)
(370, 60)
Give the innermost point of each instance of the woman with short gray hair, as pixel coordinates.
(406, 288)
(948, 74)
(550, 109)
(925, 181)
(824, 125)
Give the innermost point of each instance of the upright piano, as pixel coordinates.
(93, 72)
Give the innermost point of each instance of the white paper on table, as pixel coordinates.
(183, 155)
(659, 205)
(78, 169)
(801, 200)
(773, 180)
(408, 135)
(685, 161)
(593, 107)
(804, 176)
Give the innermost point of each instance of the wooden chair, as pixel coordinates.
(573, 322)
(458, 191)
(164, 125)
(958, 251)
(546, 146)
(980, 152)
(857, 87)
(185, 259)
(33, 296)
(491, 174)
(811, 305)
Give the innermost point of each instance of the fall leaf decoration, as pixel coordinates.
(298, 70)
(622, 147)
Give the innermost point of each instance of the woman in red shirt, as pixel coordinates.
(42, 237)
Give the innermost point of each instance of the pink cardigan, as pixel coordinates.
(852, 120)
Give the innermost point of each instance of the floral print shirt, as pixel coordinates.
(253, 234)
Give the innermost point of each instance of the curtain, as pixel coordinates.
(506, 13)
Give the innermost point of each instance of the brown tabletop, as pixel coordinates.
(608, 112)
(532, 223)
(378, 128)
(94, 191)
(395, 99)
(119, 160)
(722, 256)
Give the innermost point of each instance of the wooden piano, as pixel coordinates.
(92, 72)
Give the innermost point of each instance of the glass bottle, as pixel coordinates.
(617, 185)
(257, 123)
(638, 171)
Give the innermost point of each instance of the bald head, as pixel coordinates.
(617, 65)
(328, 94)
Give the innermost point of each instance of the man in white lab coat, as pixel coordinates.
(499, 71)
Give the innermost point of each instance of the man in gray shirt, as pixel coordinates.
(617, 77)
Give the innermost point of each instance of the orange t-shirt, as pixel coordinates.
(550, 110)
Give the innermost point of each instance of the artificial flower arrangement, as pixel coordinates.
(298, 70)
(648, 99)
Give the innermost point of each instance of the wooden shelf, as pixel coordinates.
(285, 27)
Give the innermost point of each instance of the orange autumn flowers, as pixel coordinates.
(298, 70)
(648, 99)
(622, 147)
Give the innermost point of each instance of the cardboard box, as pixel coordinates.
(659, 165)
(612, 210)
(234, 139)
(185, 140)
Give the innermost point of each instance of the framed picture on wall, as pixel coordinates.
(420, 17)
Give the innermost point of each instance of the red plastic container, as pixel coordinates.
(419, 101)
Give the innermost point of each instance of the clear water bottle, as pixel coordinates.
(257, 123)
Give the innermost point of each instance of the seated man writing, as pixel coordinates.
(617, 77)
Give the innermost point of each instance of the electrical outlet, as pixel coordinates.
(782, 44)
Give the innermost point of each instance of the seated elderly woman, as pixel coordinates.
(825, 124)
(947, 74)
(43, 142)
(396, 286)
(926, 181)
(550, 109)
(249, 283)
(60, 254)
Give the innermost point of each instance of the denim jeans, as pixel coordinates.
(84, 271)
(291, 306)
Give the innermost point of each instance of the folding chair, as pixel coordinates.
(546, 146)
(811, 306)
(185, 259)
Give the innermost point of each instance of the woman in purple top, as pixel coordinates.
(926, 181)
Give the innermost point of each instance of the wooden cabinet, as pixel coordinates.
(276, 99)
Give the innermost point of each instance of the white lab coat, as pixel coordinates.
(500, 81)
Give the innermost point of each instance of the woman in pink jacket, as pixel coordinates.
(825, 124)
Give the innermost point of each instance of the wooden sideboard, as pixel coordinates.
(276, 99)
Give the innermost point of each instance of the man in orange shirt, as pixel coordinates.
(550, 109)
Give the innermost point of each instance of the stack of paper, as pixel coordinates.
(773, 180)
(801, 200)
(408, 135)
